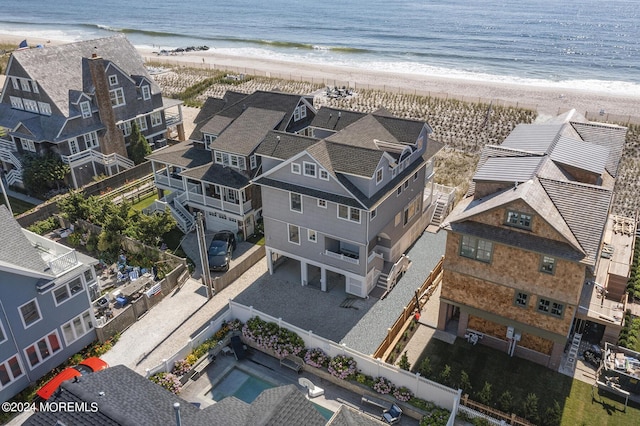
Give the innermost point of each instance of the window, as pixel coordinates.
(295, 202)
(24, 84)
(309, 169)
(88, 275)
(348, 213)
(16, 102)
(415, 176)
(399, 191)
(294, 234)
(156, 119)
(142, 123)
(230, 160)
(45, 108)
(548, 265)
(73, 146)
(125, 127)
(312, 236)
(67, 290)
(253, 162)
(30, 105)
(406, 184)
(295, 168)
(550, 307)
(34, 86)
(117, 97)
(411, 210)
(113, 80)
(379, 176)
(16, 83)
(30, 313)
(91, 140)
(43, 349)
(10, 370)
(85, 108)
(322, 203)
(77, 327)
(28, 145)
(476, 248)
(519, 220)
(324, 175)
(300, 112)
(521, 299)
(374, 213)
(146, 92)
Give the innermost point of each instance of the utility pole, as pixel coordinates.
(204, 258)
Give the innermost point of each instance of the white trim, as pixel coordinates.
(4, 335)
(296, 166)
(70, 294)
(315, 235)
(291, 194)
(9, 371)
(381, 171)
(115, 95)
(324, 203)
(349, 213)
(113, 79)
(373, 214)
(253, 162)
(22, 315)
(304, 169)
(37, 349)
(289, 234)
(85, 109)
(85, 324)
(146, 92)
(326, 174)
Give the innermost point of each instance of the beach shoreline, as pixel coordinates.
(548, 101)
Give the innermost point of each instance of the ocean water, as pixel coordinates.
(589, 44)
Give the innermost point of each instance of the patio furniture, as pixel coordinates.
(312, 390)
(121, 301)
(239, 350)
(392, 415)
(293, 362)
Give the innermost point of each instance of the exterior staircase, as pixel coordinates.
(573, 351)
(382, 280)
(439, 212)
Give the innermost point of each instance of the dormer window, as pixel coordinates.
(146, 93)
(300, 112)
(519, 220)
(208, 140)
(113, 80)
(379, 176)
(309, 169)
(85, 107)
(24, 84)
(324, 175)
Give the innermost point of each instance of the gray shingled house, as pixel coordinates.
(46, 314)
(212, 173)
(345, 202)
(525, 245)
(120, 396)
(79, 101)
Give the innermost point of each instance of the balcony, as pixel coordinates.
(344, 256)
(171, 183)
(59, 257)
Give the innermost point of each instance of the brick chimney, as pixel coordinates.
(113, 139)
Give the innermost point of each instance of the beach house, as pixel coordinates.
(525, 248)
(79, 101)
(45, 309)
(343, 203)
(212, 173)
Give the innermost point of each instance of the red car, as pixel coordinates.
(89, 365)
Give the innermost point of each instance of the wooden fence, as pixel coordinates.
(423, 293)
(490, 414)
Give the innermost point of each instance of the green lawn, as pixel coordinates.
(17, 206)
(520, 378)
(145, 202)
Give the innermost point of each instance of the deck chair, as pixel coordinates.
(238, 348)
(392, 415)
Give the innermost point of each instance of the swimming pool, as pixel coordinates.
(240, 384)
(246, 387)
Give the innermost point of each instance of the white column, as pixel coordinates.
(323, 279)
(303, 273)
(270, 261)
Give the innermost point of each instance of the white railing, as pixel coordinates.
(9, 157)
(397, 269)
(93, 155)
(341, 256)
(373, 255)
(471, 413)
(172, 119)
(428, 170)
(7, 145)
(14, 177)
(64, 262)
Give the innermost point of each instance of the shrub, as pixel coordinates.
(404, 362)
(425, 367)
(44, 226)
(181, 367)
(382, 385)
(343, 367)
(485, 394)
(436, 417)
(465, 382)
(445, 375)
(169, 381)
(505, 402)
(530, 408)
(316, 358)
(553, 415)
(402, 394)
(269, 335)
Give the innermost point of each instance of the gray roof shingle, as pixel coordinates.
(16, 250)
(218, 174)
(335, 119)
(247, 131)
(537, 138)
(184, 155)
(283, 145)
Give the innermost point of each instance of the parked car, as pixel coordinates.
(221, 250)
(86, 366)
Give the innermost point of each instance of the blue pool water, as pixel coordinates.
(246, 387)
(240, 384)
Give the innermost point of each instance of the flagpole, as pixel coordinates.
(6, 197)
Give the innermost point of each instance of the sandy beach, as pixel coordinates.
(548, 101)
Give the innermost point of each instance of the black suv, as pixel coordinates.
(221, 250)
